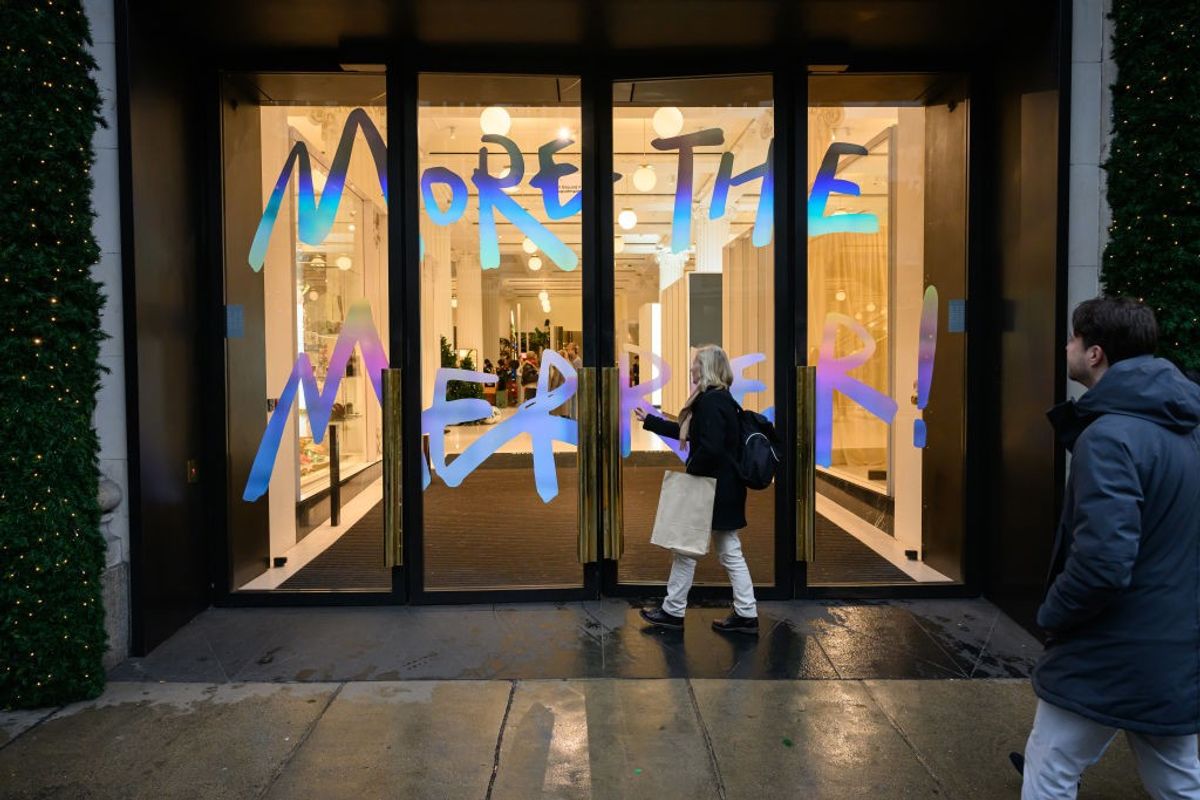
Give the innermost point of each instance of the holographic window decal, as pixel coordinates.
(358, 330)
(316, 218)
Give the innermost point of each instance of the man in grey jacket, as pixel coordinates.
(1122, 613)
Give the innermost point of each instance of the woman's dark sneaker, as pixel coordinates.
(656, 616)
(737, 624)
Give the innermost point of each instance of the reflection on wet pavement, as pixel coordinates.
(922, 639)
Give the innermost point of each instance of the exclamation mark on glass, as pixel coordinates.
(925, 353)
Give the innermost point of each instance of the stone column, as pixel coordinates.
(436, 315)
(711, 236)
(469, 283)
(115, 583)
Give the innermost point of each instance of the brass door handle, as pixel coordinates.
(587, 454)
(613, 502)
(806, 462)
(393, 469)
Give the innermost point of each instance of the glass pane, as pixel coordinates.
(501, 322)
(695, 265)
(886, 304)
(306, 293)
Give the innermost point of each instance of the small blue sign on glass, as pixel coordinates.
(235, 322)
(957, 312)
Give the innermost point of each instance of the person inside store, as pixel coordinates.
(708, 425)
(513, 382)
(529, 376)
(557, 379)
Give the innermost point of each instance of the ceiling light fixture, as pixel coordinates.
(528, 246)
(344, 263)
(495, 120)
(627, 219)
(618, 244)
(644, 178)
(535, 264)
(668, 121)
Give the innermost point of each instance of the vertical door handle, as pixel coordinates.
(586, 458)
(806, 462)
(614, 507)
(393, 463)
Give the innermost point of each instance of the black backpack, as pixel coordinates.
(758, 457)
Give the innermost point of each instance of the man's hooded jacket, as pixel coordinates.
(1123, 610)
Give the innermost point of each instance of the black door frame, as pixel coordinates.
(788, 68)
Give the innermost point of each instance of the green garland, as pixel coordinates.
(1153, 250)
(51, 551)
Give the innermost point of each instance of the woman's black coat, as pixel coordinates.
(714, 439)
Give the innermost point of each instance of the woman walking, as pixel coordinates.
(708, 424)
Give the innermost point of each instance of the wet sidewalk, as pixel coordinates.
(602, 639)
(603, 738)
(837, 699)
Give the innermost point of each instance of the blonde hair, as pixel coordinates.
(715, 369)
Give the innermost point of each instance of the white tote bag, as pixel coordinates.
(684, 520)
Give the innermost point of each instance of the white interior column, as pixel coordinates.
(711, 236)
(279, 311)
(907, 291)
(490, 321)
(469, 283)
(436, 316)
(675, 326)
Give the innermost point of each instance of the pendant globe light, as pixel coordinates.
(644, 178)
(627, 219)
(535, 263)
(668, 121)
(495, 120)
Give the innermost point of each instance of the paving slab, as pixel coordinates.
(604, 739)
(964, 731)
(875, 640)
(183, 740)
(14, 723)
(796, 739)
(412, 739)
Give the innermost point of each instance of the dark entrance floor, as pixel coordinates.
(926, 639)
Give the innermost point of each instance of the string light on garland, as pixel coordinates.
(1151, 251)
(51, 550)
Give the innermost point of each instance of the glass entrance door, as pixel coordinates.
(501, 333)
(886, 327)
(694, 265)
(305, 288)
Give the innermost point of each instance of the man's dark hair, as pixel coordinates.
(1121, 326)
